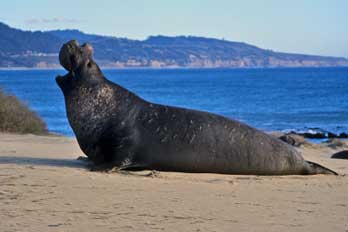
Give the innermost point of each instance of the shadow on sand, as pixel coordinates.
(70, 163)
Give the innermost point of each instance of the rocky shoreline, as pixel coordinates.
(317, 133)
(298, 139)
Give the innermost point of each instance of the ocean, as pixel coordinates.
(281, 99)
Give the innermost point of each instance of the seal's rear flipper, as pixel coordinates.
(314, 168)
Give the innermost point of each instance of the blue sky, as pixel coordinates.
(301, 26)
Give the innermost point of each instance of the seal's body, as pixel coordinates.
(114, 126)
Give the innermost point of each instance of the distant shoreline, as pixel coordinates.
(173, 68)
(41, 50)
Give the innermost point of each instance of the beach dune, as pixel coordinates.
(43, 187)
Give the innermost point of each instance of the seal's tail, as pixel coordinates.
(314, 168)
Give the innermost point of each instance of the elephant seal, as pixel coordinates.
(116, 128)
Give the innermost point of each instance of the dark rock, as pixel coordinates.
(331, 135)
(343, 135)
(340, 155)
(317, 133)
(313, 135)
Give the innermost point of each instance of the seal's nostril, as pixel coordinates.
(89, 49)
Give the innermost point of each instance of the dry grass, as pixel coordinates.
(16, 117)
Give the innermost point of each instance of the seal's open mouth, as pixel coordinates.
(72, 55)
(69, 55)
(74, 58)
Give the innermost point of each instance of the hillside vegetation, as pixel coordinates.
(40, 49)
(15, 117)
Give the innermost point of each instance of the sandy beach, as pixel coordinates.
(43, 187)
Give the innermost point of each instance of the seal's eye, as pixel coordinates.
(89, 64)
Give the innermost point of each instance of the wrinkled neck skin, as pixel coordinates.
(93, 102)
(82, 76)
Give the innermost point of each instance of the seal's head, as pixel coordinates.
(72, 56)
(78, 60)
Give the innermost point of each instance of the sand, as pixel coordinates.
(44, 188)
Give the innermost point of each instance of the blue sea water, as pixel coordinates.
(268, 99)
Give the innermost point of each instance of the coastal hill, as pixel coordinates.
(39, 49)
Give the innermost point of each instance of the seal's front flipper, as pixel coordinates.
(134, 167)
(116, 167)
(314, 168)
(104, 167)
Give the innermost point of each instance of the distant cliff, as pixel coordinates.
(38, 49)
